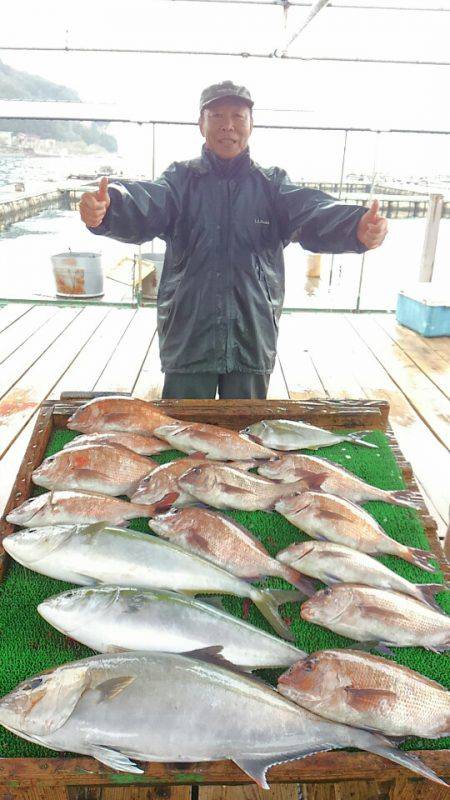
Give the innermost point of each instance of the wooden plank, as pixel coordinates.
(426, 399)
(145, 793)
(429, 458)
(88, 366)
(279, 792)
(123, 369)
(332, 766)
(11, 461)
(329, 356)
(30, 351)
(299, 371)
(404, 789)
(441, 345)
(11, 312)
(148, 793)
(151, 380)
(16, 334)
(19, 403)
(419, 350)
(277, 386)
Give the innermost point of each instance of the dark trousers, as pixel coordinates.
(204, 385)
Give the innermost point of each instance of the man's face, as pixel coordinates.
(226, 126)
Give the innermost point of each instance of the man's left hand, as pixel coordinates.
(372, 228)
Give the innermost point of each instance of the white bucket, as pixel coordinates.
(78, 275)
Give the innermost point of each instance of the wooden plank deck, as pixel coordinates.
(44, 351)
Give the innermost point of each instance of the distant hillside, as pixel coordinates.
(16, 85)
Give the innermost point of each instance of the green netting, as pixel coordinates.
(30, 645)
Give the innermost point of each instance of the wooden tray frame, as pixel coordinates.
(319, 768)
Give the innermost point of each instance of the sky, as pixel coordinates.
(379, 96)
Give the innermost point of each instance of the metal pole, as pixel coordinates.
(344, 151)
(374, 175)
(431, 237)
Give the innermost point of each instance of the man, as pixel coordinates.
(225, 221)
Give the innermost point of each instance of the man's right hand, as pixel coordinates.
(94, 205)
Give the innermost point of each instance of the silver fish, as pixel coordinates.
(211, 441)
(111, 618)
(222, 541)
(81, 707)
(102, 554)
(106, 468)
(367, 614)
(222, 486)
(334, 563)
(68, 508)
(321, 474)
(369, 692)
(325, 516)
(287, 434)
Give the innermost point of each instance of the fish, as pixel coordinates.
(69, 507)
(104, 554)
(137, 442)
(221, 540)
(112, 618)
(128, 414)
(334, 563)
(321, 474)
(368, 692)
(110, 469)
(368, 614)
(289, 434)
(81, 707)
(161, 488)
(222, 486)
(333, 519)
(211, 441)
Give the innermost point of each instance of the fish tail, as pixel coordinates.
(301, 582)
(160, 506)
(356, 439)
(267, 601)
(404, 497)
(426, 592)
(420, 558)
(382, 746)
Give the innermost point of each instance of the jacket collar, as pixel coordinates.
(224, 168)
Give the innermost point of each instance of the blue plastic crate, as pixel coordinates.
(425, 308)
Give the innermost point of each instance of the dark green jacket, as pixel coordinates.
(225, 225)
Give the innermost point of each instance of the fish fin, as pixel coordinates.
(215, 602)
(305, 585)
(114, 648)
(198, 454)
(366, 647)
(313, 480)
(44, 714)
(213, 655)
(383, 746)
(332, 515)
(421, 558)
(356, 439)
(368, 699)
(286, 550)
(113, 687)
(228, 489)
(404, 497)
(439, 648)
(268, 600)
(256, 768)
(114, 759)
(428, 592)
(163, 504)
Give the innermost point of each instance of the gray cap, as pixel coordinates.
(218, 91)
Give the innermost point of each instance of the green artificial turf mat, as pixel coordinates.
(30, 645)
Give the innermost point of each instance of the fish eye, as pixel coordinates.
(245, 430)
(196, 470)
(328, 591)
(309, 664)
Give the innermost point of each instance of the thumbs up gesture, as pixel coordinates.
(94, 205)
(372, 228)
